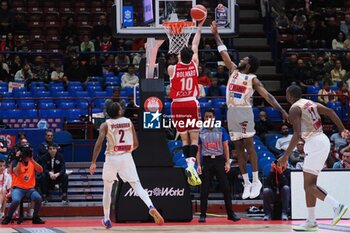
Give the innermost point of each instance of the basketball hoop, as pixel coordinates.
(178, 33)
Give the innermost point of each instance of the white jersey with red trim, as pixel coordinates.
(119, 136)
(311, 123)
(184, 81)
(239, 89)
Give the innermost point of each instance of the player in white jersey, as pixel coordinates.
(5, 185)
(305, 117)
(240, 118)
(121, 141)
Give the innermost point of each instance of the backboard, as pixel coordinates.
(144, 18)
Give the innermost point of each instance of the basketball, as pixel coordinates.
(198, 12)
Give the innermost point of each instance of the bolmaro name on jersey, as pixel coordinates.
(182, 74)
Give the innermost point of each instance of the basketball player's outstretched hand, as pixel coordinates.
(345, 133)
(202, 22)
(92, 168)
(283, 162)
(214, 28)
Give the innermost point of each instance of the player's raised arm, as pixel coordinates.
(196, 40)
(231, 66)
(98, 146)
(268, 97)
(323, 110)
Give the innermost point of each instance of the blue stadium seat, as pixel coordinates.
(92, 89)
(10, 104)
(334, 87)
(260, 147)
(35, 89)
(81, 103)
(61, 94)
(266, 170)
(7, 95)
(74, 114)
(74, 84)
(15, 113)
(204, 106)
(109, 74)
(172, 145)
(56, 88)
(313, 90)
(265, 161)
(26, 104)
(100, 94)
(42, 94)
(97, 110)
(93, 84)
(4, 84)
(217, 103)
(65, 104)
(167, 108)
(256, 112)
(83, 94)
(73, 89)
(46, 105)
(3, 88)
(265, 154)
(206, 90)
(51, 113)
(218, 114)
(223, 90)
(30, 113)
(273, 115)
(23, 94)
(249, 170)
(63, 138)
(99, 103)
(271, 139)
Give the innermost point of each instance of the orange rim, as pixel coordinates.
(176, 27)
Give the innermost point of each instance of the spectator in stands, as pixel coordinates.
(214, 89)
(291, 68)
(214, 150)
(299, 21)
(298, 154)
(6, 18)
(23, 183)
(338, 42)
(40, 69)
(20, 25)
(283, 142)
(94, 67)
(136, 57)
(345, 26)
(221, 75)
(5, 185)
(315, 34)
(54, 172)
(106, 44)
(57, 75)
(302, 74)
(129, 79)
(115, 98)
(4, 70)
(330, 63)
(342, 149)
(23, 46)
(337, 73)
(72, 45)
(343, 93)
(44, 146)
(9, 43)
(344, 162)
(69, 30)
(346, 61)
(76, 72)
(263, 126)
(24, 74)
(207, 55)
(100, 29)
(87, 45)
(122, 61)
(276, 189)
(318, 69)
(332, 31)
(202, 78)
(347, 42)
(338, 140)
(15, 66)
(3, 151)
(132, 112)
(282, 22)
(326, 94)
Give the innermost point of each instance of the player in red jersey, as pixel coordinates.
(185, 107)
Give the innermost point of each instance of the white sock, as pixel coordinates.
(246, 178)
(331, 201)
(255, 176)
(141, 193)
(311, 214)
(107, 191)
(191, 161)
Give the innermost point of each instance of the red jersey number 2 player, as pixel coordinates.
(185, 107)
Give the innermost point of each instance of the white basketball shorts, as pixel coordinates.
(240, 123)
(316, 149)
(123, 165)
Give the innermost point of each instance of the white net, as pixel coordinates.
(178, 33)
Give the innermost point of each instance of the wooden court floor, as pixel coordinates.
(213, 225)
